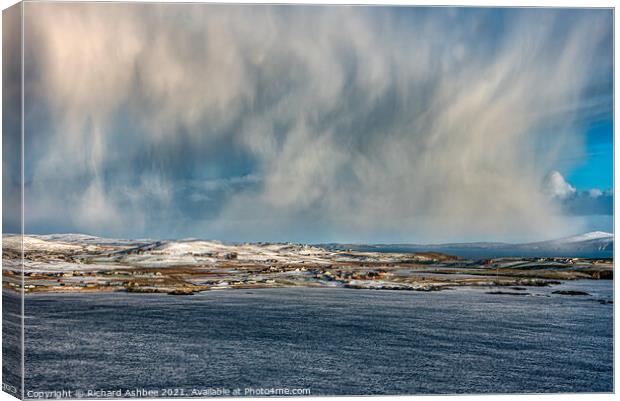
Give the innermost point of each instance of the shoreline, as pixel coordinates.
(505, 288)
(190, 266)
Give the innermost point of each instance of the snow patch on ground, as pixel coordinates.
(35, 244)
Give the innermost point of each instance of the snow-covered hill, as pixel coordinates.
(193, 251)
(592, 245)
(589, 236)
(592, 241)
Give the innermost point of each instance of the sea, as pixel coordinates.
(321, 341)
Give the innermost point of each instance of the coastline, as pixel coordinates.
(185, 267)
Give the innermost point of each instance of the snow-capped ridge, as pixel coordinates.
(33, 243)
(189, 247)
(70, 237)
(593, 235)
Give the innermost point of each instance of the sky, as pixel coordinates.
(317, 124)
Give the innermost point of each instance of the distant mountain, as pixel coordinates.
(595, 244)
(596, 241)
(594, 235)
(85, 239)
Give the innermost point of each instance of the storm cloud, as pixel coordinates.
(307, 123)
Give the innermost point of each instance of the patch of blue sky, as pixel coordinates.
(596, 168)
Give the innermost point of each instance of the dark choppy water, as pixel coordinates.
(333, 341)
(11, 343)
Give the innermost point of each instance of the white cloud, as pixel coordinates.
(595, 193)
(358, 124)
(557, 187)
(591, 202)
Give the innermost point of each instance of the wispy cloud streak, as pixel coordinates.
(355, 124)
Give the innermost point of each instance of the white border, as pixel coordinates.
(481, 3)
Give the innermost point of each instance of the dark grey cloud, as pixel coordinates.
(589, 203)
